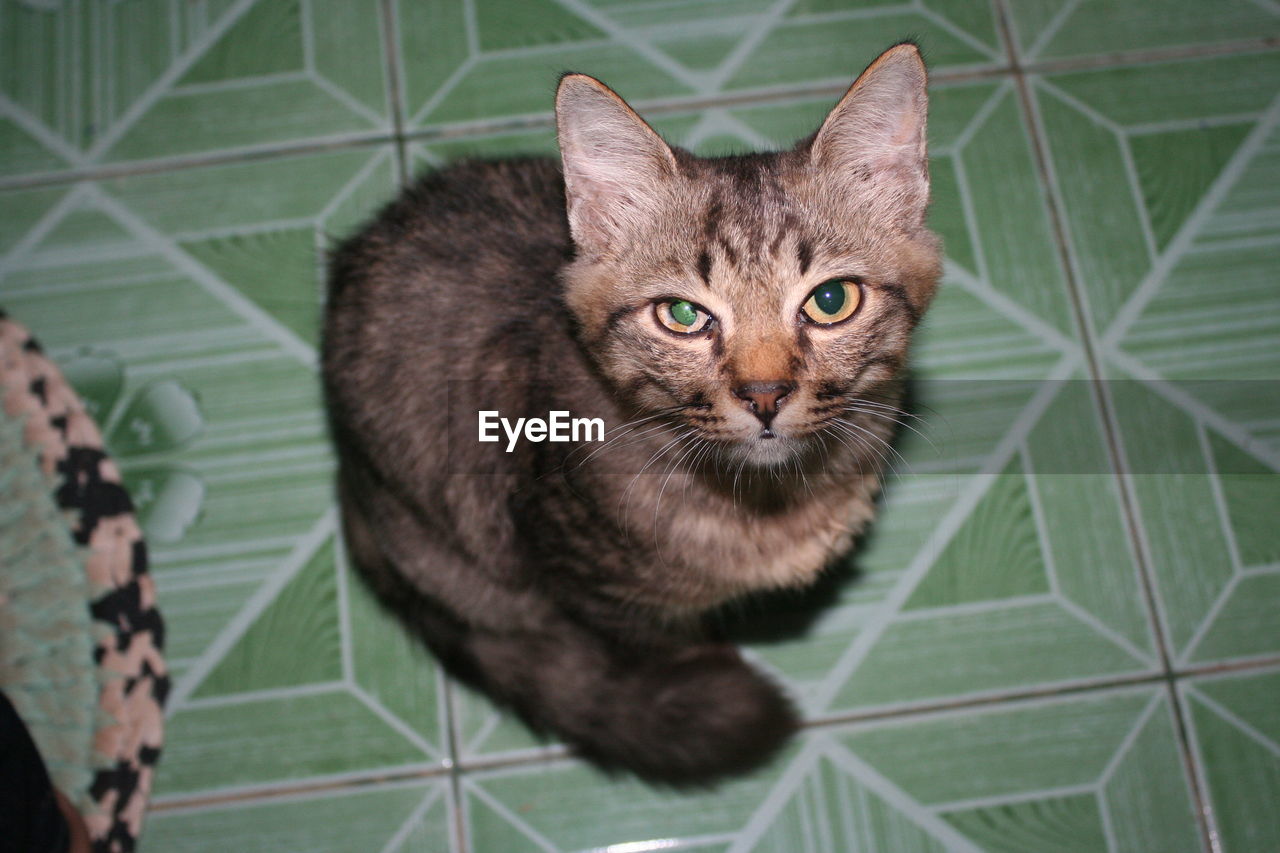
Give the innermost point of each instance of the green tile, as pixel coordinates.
(1000, 536)
(498, 66)
(502, 85)
(1138, 96)
(573, 807)
(1059, 824)
(1251, 493)
(501, 25)
(1167, 174)
(272, 741)
(633, 14)
(93, 83)
(992, 649)
(268, 267)
(1054, 774)
(267, 39)
(22, 210)
(1175, 168)
(1006, 750)
(1140, 151)
(392, 665)
(832, 49)
(21, 151)
(1236, 736)
(1052, 29)
(194, 616)
(1245, 622)
(410, 818)
(185, 306)
(295, 640)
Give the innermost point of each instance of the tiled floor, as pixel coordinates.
(1064, 633)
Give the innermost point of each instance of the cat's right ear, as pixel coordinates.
(873, 141)
(614, 163)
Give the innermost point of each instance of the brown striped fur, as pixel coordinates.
(570, 582)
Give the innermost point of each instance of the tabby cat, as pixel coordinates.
(739, 322)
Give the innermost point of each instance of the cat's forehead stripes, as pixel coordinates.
(804, 254)
(745, 221)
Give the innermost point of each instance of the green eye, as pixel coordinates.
(684, 313)
(832, 301)
(681, 315)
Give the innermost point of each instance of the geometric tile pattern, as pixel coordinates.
(89, 83)
(1178, 290)
(1059, 29)
(986, 673)
(1235, 733)
(1062, 774)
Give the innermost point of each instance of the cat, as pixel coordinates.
(741, 322)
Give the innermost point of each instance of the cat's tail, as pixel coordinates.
(685, 717)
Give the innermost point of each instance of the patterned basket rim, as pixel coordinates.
(129, 631)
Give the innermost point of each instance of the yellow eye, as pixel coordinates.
(681, 315)
(832, 301)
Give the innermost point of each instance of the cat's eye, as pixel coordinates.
(683, 316)
(832, 301)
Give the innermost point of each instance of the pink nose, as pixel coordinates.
(762, 398)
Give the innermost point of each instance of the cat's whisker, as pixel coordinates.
(880, 404)
(693, 446)
(622, 431)
(849, 427)
(632, 439)
(857, 408)
(857, 448)
(705, 449)
(623, 500)
(861, 435)
(742, 463)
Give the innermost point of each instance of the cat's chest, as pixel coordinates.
(723, 554)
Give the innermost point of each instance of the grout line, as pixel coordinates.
(983, 701)
(196, 161)
(1148, 55)
(1197, 777)
(286, 790)
(459, 836)
(1260, 662)
(459, 839)
(1206, 819)
(1110, 427)
(395, 98)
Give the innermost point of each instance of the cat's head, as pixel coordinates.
(755, 296)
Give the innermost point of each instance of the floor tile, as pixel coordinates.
(149, 79)
(1082, 773)
(1182, 159)
(1056, 29)
(183, 303)
(184, 307)
(468, 62)
(404, 818)
(1235, 732)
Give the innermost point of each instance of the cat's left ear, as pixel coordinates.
(873, 141)
(614, 163)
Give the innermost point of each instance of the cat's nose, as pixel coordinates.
(762, 398)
